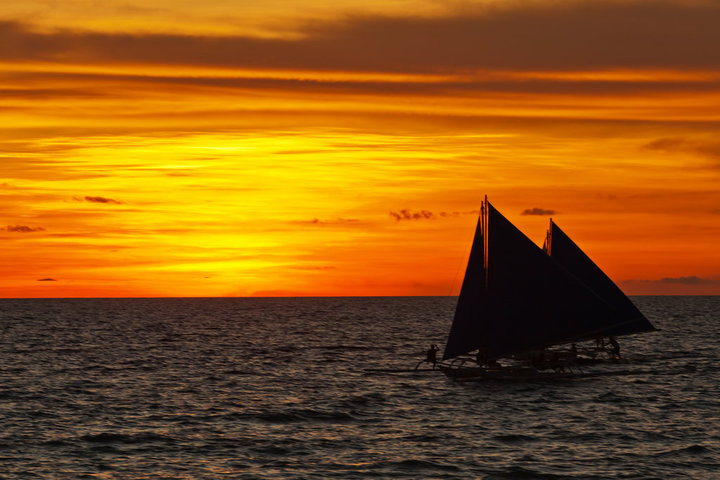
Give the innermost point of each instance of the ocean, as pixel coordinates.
(261, 388)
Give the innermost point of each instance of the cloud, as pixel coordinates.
(46, 280)
(484, 83)
(20, 166)
(22, 229)
(689, 280)
(314, 267)
(706, 148)
(317, 221)
(406, 214)
(538, 211)
(99, 200)
(459, 214)
(526, 36)
(46, 94)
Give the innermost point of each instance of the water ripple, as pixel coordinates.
(292, 388)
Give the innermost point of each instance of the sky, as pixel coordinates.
(276, 148)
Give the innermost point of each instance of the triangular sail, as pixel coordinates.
(516, 298)
(534, 301)
(565, 252)
(466, 331)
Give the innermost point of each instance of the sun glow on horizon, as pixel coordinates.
(202, 161)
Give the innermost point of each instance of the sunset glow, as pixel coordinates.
(227, 149)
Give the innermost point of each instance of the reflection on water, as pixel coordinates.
(278, 388)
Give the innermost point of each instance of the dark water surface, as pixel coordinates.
(277, 388)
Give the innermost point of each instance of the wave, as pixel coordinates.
(115, 438)
(235, 371)
(303, 415)
(364, 400)
(514, 438)
(415, 465)
(275, 450)
(691, 450)
(343, 347)
(612, 397)
(519, 473)
(87, 395)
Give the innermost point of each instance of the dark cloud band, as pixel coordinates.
(559, 35)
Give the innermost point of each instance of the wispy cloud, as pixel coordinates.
(322, 84)
(46, 280)
(407, 214)
(22, 229)
(538, 211)
(706, 148)
(99, 200)
(337, 221)
(689, 280)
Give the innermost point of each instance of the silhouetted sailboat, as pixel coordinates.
(517, 300)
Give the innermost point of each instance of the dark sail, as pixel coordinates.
(564, 251)
(466, 331)
(534, 302)
(516, 298)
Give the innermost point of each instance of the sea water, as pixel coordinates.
(284, 388)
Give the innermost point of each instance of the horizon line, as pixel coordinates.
(312, 296)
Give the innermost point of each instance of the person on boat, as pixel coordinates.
(614, 348)
(481, 359)
(481, 356)
(600, 346)
(430, 356)
(556, 364)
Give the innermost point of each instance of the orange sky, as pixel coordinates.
(176, 148)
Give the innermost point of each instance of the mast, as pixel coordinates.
(484, 221)
(467, 330)
(547, 247)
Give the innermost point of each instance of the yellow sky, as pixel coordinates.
(237, 148)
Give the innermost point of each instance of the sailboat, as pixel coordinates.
(518, 301)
